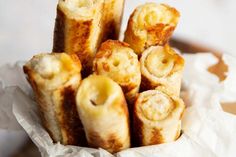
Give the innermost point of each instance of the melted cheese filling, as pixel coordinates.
(151, 14)
(119, 65)
(96, 90)
(159, 62)
(46, 66)
(156, 106)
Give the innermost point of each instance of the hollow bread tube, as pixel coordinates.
(104, 114)
(157, 118)
(118, 61)
(149, 25)
(55, 79)
(161, 66)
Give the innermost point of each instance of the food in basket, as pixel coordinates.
(81, 25)
(150, 24)
(161, 66)
(104, 114)
(55, 79)
(118, 61)
(94, 111)
(157, 117)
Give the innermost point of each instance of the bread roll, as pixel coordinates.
(55, 79)
(78, 29)
(118, 61)
(157, 118)
(161, 66)
(112, 17)
(103, 111)
(150, 24)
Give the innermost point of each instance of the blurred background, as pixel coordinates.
(26, 26)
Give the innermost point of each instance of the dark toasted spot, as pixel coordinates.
(156, 137)
(71, 121)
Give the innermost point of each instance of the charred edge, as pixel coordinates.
(71, 121)
(59, 32)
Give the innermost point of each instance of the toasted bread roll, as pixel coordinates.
(55, 79)
(157, 117)
(112, 17)
(103, 111)
(161, 66)
(150, 24)
(78, 29)
(118, 61)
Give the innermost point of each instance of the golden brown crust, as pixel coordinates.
(58, 102)
(165, 56)
(104, 114)
(117, 60)
(40, 101)
(112, 17)
(157, 33)
(83, 35)
(147, 129)
(157, 137)
(78, 35)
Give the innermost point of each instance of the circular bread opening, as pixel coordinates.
(96, 90)
(155, 105)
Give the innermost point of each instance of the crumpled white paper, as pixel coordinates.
(207, 130)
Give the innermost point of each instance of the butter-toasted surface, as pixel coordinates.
(150, 24)
(78, 29)
(81, 26)
(112, 18)
(55, 78)
(161, 66)
(157, 117)
(103, 111)
(118, 61)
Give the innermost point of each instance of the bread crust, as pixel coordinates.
(151, 132)
(104, 114)
(165, 55)
(57, 104)
(117, 60)
(141, 35)
(112, 18)
(75, 32)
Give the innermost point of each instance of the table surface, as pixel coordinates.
(26, 26)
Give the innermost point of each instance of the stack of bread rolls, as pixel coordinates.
(96, 91)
